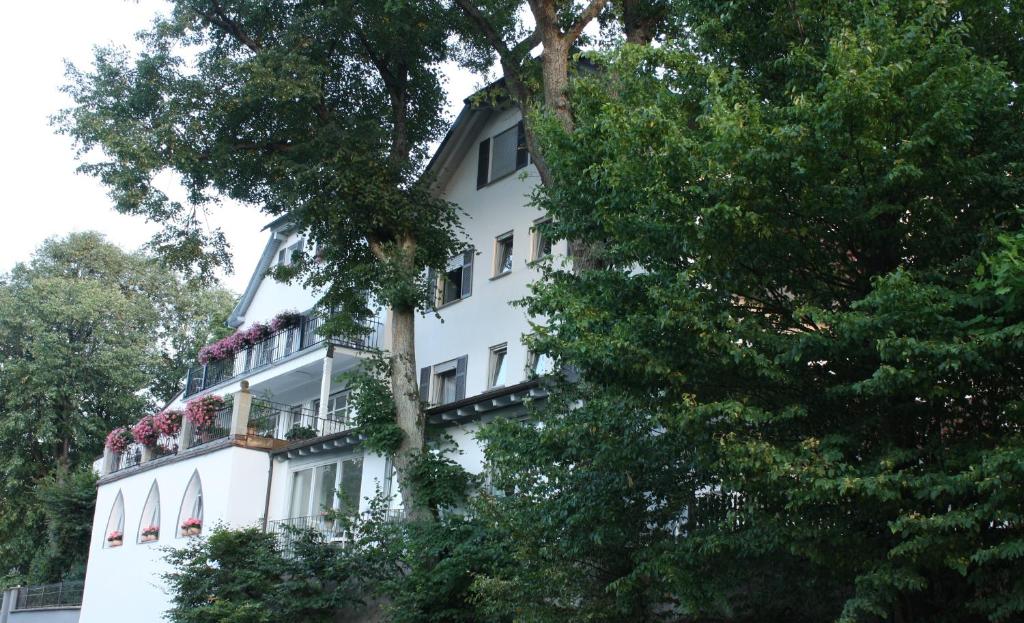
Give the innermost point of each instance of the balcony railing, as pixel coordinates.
(60, 595)
(131, 457)
(280, 421)
(291, 529)
(166, 445)
(218, 428)
(273, 348)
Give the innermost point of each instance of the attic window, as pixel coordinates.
(503, 154)
(284, 256)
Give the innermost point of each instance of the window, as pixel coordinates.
(444, 391)
(284, 256)
(456, 282)
(149, 523)
(541, 243)
(332, 486)
(499, 364)
(503, 254)
(190, 517)
(538, 364)
(339, 407)
(114, 536)
(444, 382)
(502, 155)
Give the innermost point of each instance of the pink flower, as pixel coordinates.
(145, 432)
(151, 531)
(115, 535)
(285, 320)
(168, 422)
(203, 410)
(118, 440)
(192, 522)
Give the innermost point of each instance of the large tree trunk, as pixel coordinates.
(408, 408)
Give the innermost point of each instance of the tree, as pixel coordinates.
(800, 394)
(250, 576)
(91, 338)
(321, 112)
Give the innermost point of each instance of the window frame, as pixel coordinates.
(493, 363)
(537, 239)
(499, 244)
(312, 501)
(485, 155)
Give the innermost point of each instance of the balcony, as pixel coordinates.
(276, 347)
(279, 421)
(330, 530)
(47, 596)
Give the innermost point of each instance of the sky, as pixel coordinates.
(41, 195)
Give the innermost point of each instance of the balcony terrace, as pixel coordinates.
(276, 347)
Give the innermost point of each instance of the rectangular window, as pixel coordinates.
(447, 381)
(541, 243)
(315, 489)
(351, 483)
(456, 282)
(499, 365)
(501, 155)
(503, 254)
(538, 364)
(339, 407)
(301, 482)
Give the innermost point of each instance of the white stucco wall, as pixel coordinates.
(273, 296)
(123, 584)
(486, 318)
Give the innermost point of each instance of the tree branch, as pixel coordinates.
(220, 19)
(588, 15)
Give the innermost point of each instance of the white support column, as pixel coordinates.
(325, 383)
(148, 454)
(240, 410)
(109, 457)
(185, 434)
(10, 596)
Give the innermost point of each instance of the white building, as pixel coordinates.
(244, 470)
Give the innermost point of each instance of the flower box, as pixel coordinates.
(191, 526)
(115, 539)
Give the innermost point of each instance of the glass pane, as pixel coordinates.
(447, 387)
(326, 475)
(498, 378)
(503, 153)
(301, 482)
(452, 286)
(351, 484)
(505, 255)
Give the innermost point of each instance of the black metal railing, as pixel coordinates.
(60, 595)
(330, 529)
(280, 421)
(131, 457)
(166, 445)
(275, 347)
(217, 429)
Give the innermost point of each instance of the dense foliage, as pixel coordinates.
(802, 363)
(319, 113)
(91, 337)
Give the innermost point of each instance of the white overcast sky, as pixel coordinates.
(40, 193)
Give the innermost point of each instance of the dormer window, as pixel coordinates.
(284, 256)
(501, 155)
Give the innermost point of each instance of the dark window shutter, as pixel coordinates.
(522, 154)
(432, 286)
(467, 273)
(483, 163)
(425, 384)
(460, 376)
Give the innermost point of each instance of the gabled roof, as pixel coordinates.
(278, 227)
